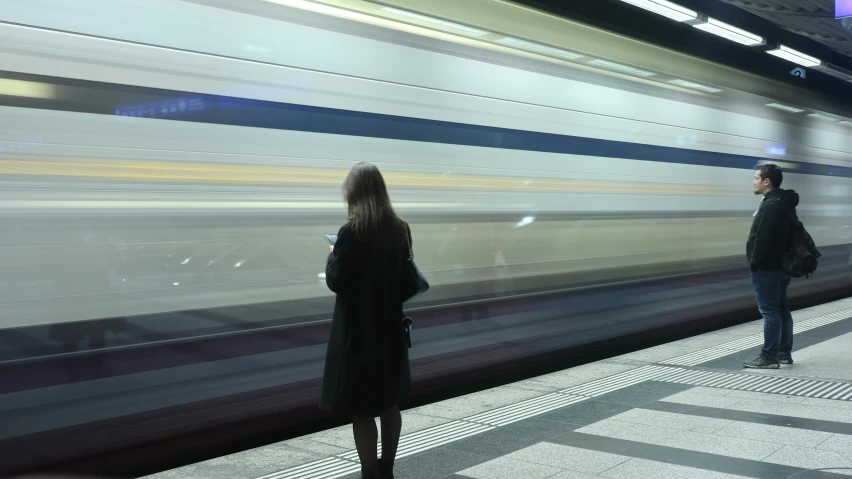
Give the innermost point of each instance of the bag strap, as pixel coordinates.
(408, 241)
(794, 217)
(794, 225)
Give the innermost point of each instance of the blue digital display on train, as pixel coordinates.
(163, 109)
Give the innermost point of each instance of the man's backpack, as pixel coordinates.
(801, 256)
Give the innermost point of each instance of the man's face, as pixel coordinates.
(761, 184)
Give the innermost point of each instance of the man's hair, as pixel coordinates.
(773, 173)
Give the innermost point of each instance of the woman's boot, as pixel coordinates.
(370, 474)
(385, 470)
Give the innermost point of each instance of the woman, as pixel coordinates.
(366, 370)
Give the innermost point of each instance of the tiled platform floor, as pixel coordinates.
(681, 410)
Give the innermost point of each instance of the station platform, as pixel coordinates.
(686, 409)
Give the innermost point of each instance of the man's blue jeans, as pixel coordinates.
(770, 288)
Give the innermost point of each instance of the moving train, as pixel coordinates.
(169, 169)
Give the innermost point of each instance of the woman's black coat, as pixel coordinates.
(366, 366)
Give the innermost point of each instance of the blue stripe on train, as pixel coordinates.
(283, 116)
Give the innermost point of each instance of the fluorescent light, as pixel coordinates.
(794, 56)
(820, 117)
(784, 107)
(538, 48)
(730, 32)
(29, 89)
(436, 21)
(666, 9)
(694, 86)
(621, 68)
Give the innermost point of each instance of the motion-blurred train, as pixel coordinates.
(169, 169)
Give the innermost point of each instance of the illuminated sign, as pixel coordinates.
(162, 109)
(842, 8)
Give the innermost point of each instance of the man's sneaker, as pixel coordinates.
(761, 362)
(786, 361)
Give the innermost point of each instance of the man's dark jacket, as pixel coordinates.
(771, 230)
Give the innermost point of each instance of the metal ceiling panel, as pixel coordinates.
(810, 18)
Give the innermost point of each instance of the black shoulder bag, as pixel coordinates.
(413, 284)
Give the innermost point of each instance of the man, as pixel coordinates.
(769, 238)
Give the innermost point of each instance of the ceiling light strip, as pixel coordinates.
(730, 32)
(666, 9)
(795, 56)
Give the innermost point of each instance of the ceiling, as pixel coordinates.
(811, 18)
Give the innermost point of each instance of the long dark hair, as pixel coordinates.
(370, 211)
